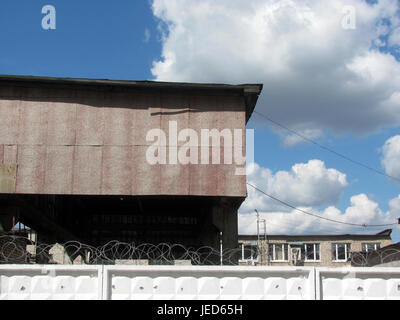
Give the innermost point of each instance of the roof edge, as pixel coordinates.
(250, 92)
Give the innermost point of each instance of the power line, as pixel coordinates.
(318, 216)
(326, 148)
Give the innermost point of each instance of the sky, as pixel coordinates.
(330, 70)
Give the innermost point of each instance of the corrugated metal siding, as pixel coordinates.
(78, 142)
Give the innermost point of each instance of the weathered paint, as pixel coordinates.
(77, 141)
(7, 177)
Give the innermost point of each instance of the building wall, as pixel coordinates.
(326, 258)
(92, 142)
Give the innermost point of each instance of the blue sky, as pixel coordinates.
(339, 84)
(93, 39)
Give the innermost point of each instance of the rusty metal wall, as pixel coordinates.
(70, 141)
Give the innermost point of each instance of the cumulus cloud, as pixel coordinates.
(293, 139)
(309, 186)
(361, 211)
(394, 205)
(391, 156)
(317, 74)
(306, 184)
(394, 38)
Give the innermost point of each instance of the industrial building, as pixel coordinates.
(74, 160)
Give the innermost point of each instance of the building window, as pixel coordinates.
(249, 252)
(368, 247)
(278, 252)
(312, 252)
(340, 252)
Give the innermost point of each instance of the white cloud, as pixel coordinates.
(394, 205)
(361, 211)
(391, 156)
(317, 75)
(394, 38)
(293, 139)
(306, 184)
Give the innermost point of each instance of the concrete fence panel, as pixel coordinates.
(48, 282)
(358, 283)
(207, 283)
(125, 282)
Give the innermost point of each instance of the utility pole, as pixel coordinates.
(261, 238)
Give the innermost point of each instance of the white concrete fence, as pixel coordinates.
(39, 282)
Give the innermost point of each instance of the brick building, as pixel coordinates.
(309, 250)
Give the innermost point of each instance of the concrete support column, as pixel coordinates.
(222, 217)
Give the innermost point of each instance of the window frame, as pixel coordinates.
(253, 253)
(377, 246)
(285, 250)
(314, 259)
(347, 250)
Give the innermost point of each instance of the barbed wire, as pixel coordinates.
(375, 257)
(20, 250)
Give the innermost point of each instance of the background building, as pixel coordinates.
(310, 250)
